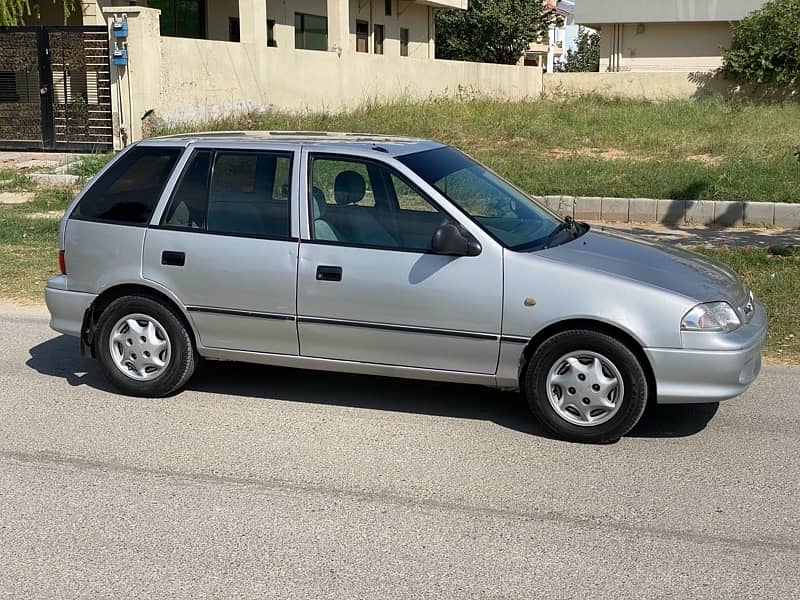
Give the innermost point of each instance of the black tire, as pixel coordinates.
(633, 401)
(183, 359)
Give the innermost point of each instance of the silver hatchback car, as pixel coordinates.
(388, 256)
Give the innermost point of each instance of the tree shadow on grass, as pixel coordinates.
(692, 191)
(60, 358)
(717, 84)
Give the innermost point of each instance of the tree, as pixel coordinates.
(17, 12)
(586, 56)
(494, 31)
(766, 45)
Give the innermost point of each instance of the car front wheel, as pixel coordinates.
(586, 386)
(144, 347)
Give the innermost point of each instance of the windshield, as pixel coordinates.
(506, 213)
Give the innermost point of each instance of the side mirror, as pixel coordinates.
(450, 240)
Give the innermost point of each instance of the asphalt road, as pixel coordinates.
(260, 482)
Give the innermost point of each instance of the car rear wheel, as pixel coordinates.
(586, 386)
(144, 347)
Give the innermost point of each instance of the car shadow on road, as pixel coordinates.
(60, 357)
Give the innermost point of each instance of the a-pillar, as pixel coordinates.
(339, 25)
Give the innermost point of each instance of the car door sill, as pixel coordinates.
(348, 366)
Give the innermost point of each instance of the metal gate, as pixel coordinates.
(55, 89)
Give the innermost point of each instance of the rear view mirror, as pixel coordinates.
(451, 241)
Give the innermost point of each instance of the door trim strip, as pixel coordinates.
(399, 328)
(361, 324)
(514, 339)
(240, 313)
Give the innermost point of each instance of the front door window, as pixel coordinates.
(365, 203)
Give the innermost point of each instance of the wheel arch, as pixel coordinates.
(120, 290)
(618, 333)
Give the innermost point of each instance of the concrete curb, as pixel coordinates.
(677, 212)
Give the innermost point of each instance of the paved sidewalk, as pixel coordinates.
(34, 161)
(708, 236)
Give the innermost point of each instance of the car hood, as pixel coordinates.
(680, 271)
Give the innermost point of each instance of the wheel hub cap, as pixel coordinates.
(140, 347)
(585, 388)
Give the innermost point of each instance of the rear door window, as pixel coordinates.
(249, 194)
(128, 192)
(187, 210)
(234, 193)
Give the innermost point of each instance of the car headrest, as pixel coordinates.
(349, 188)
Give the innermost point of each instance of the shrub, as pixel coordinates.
(766, 45)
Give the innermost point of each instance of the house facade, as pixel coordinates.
(194, 61)
(668, 35)
(392, 27)
(199, 60)
(550, 49)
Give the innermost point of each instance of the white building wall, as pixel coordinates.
(666, 46)
(204, 79)
(195, 80)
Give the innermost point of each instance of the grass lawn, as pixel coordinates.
(14, 181)
(775, 280)
(592, 146)
(29, 246)
(586, 146)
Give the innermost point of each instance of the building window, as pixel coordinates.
(362, 36)
(271, 34)
(310, 32)
(380, 34)
(388, 8)
(403, 41)
(234, 31)
(181, 18)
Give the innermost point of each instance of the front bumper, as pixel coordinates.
(66, 308)
(690, 375)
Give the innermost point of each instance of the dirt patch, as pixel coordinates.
(609, 154)
(711, 160)
(781, 360)
(50, 214)
(33, 160)
(16, 197)
(602, 153)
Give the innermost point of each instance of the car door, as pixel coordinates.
(369, 287)
(224, 246)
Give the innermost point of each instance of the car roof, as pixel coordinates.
(324, 141)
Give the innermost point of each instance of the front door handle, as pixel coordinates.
(173, 259)
(326, 273)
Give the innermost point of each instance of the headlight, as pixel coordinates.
(714, 316)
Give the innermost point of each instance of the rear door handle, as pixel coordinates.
(172, 258)
(326, 273)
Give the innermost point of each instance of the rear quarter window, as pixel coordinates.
(128, 192)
